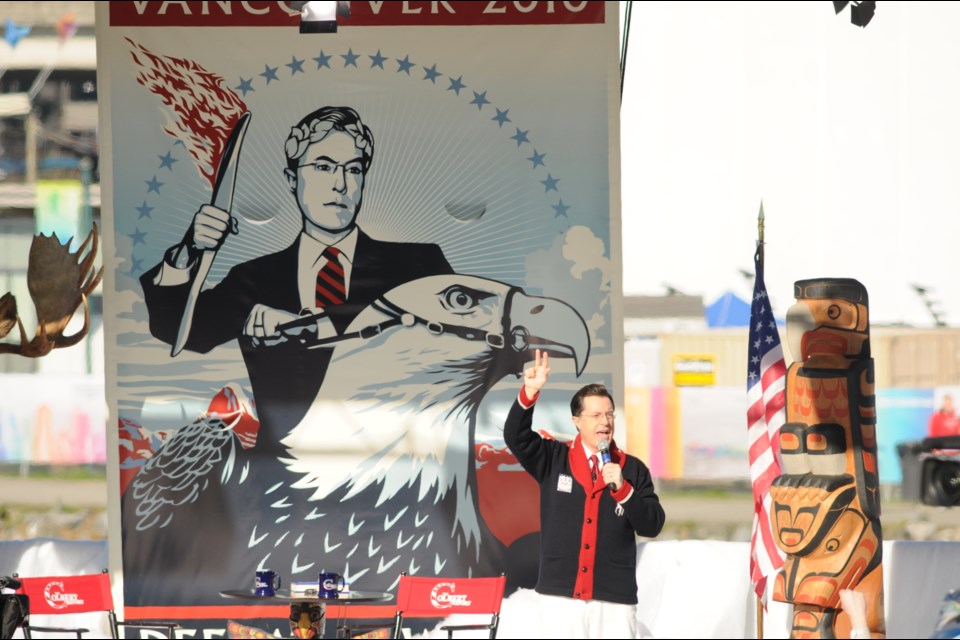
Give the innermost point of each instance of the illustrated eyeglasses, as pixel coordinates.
(596, 416)
(330, 168)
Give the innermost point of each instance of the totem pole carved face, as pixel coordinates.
(825, 505)
(829, 319)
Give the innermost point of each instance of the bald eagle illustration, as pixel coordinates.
(378, 477)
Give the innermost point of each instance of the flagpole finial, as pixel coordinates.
(760, 223)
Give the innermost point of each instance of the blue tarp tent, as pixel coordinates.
(729, 310)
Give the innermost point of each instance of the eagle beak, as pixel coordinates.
(550, 325)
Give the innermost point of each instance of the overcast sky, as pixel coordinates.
(849, 135)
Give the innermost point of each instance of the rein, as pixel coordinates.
(401, 317)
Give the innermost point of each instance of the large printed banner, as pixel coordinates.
(333, 253)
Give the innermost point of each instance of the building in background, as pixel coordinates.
(48, 156)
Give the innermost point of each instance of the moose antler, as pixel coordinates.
(59, 281)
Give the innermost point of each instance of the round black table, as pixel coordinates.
(308, 610)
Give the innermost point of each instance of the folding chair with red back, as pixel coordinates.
(59, 595)
(432, 597)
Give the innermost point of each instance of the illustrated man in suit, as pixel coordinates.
(331, 271)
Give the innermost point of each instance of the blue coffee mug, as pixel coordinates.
(331, 584)
(267, 583)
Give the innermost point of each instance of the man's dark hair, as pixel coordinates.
(576, 404)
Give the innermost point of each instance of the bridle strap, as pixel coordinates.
(494, 340)
(365, 333)
(400, 316)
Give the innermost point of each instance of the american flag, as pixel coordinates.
(766, 375)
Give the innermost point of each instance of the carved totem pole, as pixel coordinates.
(826, 504)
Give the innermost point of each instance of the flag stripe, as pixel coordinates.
(766, 403)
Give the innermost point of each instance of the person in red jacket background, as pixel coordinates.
(944, 421)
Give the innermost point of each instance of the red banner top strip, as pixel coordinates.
(254, 13)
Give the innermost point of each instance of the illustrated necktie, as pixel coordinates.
(593, 469)
(331, 286)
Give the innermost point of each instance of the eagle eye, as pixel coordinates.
(459, 298)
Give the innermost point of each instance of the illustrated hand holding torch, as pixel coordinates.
(212, 223)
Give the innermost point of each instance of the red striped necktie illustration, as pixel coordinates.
(331, 286)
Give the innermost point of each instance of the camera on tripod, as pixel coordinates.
(940, 471)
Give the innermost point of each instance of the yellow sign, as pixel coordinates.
(694, 370)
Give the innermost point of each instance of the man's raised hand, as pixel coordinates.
(535, 377)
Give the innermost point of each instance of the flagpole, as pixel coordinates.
(760, 222)
(41, 79)
(766, 376)
(66, 28)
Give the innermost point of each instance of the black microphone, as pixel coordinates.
(603, 447)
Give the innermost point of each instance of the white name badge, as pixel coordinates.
(565, 483)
